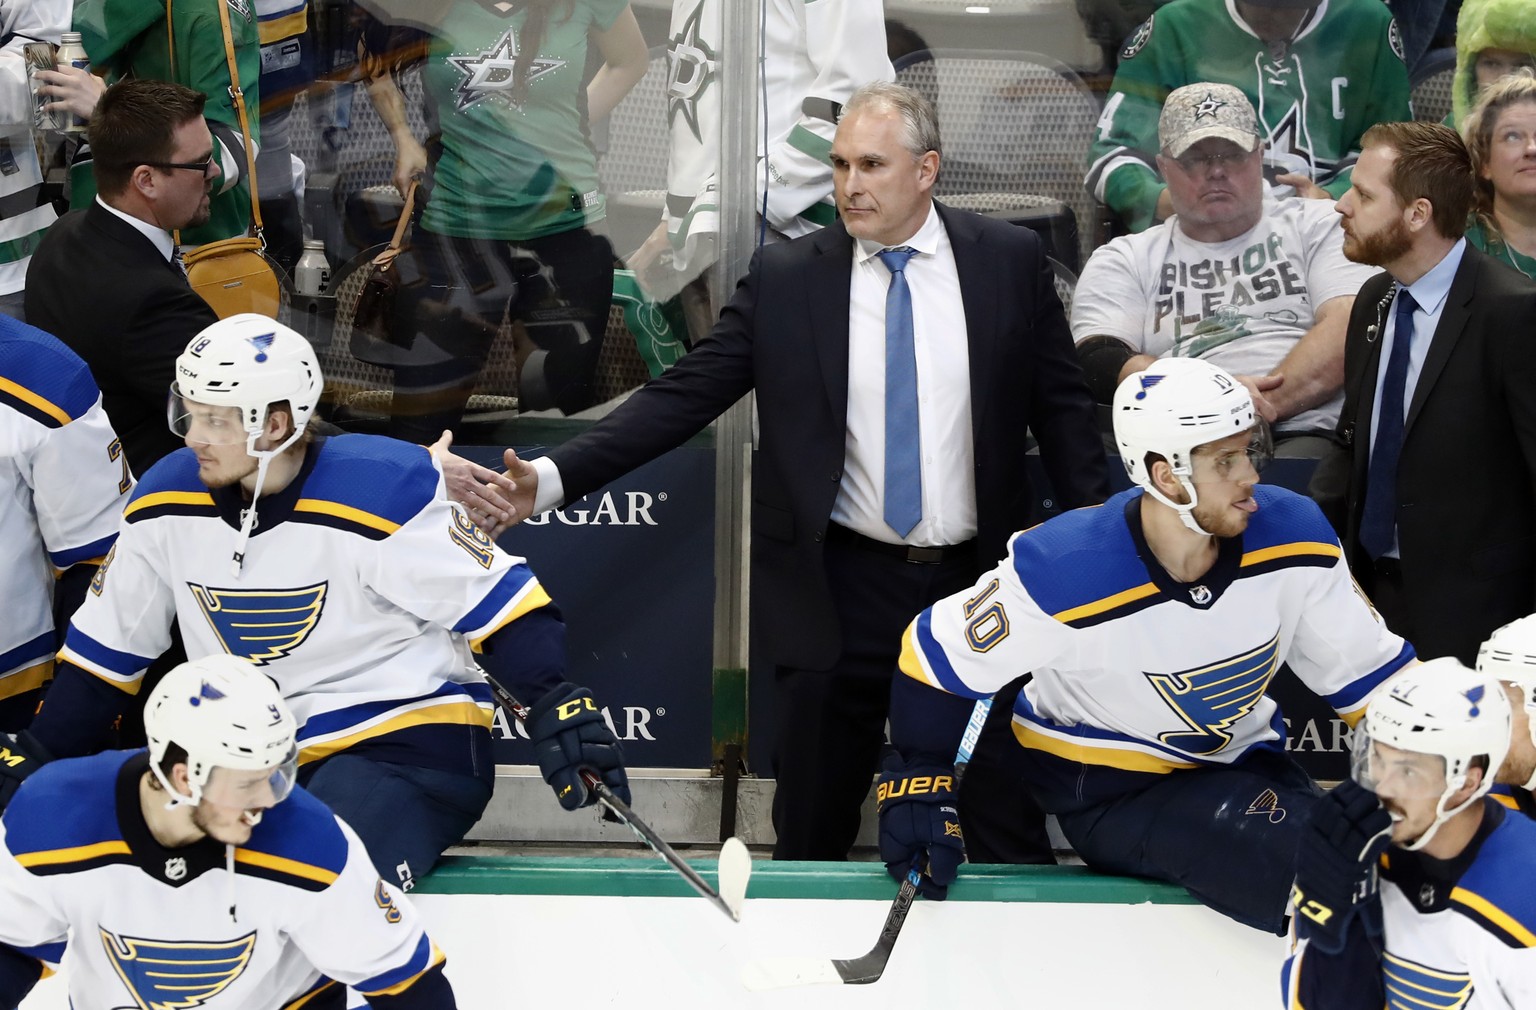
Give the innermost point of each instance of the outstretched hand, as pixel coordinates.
(489, 497)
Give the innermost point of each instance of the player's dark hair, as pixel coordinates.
(175, 754)
(1517, 88)
(1432, 164)
(135, 123)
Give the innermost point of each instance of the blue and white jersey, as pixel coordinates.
(363, 593)
(85, 884)
(63, 481)
(1460, 933)
(1136, 675)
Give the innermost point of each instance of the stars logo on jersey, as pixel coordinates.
(491, 73)
(1395, 40)
(692, 66)
(1210, 699)
(176, 974)
(1138, 40)
(1412, 986)
(261, 624)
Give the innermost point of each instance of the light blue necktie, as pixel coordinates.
(903, 449)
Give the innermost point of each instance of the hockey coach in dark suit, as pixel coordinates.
(1438, 518)
(900, 358)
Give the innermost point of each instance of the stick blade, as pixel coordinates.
(735, 871)
(785, 972)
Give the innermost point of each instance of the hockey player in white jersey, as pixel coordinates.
(1152, 626)
(1510, 655)
(65, 481)
(338, 567)
(199, 874)
(1415, 890)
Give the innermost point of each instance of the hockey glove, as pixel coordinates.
(20, 756)
(918, 815)
(569, 735)
(1336, 866)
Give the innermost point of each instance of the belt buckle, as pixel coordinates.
(924, 555)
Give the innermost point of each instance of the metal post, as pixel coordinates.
(741, 45)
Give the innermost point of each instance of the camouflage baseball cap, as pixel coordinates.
(1197, 111)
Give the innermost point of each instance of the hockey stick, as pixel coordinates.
(735, 862)
(779, 973)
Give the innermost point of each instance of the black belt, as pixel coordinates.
(1387, 568)
(906, 552)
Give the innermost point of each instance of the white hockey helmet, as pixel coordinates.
(225, 713)
(1510, 655)
(1442, 708)
(1171, 408)
(248, 362)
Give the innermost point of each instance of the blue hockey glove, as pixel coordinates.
(1336, 866)
(569, 735)
(20, 756)
(917, 815)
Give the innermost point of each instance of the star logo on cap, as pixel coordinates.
(1208, 106)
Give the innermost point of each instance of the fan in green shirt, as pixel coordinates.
(1318, 73)
(128, 38)
(1501, 136)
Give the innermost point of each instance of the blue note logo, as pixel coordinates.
(261, 624)
(1412, 986)
(176, 974)
(1209, 700)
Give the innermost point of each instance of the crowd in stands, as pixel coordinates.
(1279, 240)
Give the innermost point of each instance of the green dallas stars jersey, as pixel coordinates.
(506, 172)
(1341, 75)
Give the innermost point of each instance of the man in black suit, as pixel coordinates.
(106, 279)
(1438, 515)
(959, 313)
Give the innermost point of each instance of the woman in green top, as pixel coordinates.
(1501, 135)
(510, 183)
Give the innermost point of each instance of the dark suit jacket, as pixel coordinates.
(106, 291)
(1466, 481)
(785, 334)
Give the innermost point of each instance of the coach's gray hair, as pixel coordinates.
(920, 123)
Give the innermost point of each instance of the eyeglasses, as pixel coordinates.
(1194, 162)
(200, 167)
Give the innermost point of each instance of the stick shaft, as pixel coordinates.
(623, 813)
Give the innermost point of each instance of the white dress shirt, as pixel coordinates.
(943, 394)
(159, 236)
(943, 389)
(1429, 293)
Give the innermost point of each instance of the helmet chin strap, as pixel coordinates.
(1441, 816)
(1186, 512)
(264, 458)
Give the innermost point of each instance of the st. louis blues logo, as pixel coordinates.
(1147, 382)
(262, 343)
(492, 72)
(1413, 986)
(261, 624)
(1211, 699)
(176, 974)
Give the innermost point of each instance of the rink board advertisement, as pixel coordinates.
(631, 568)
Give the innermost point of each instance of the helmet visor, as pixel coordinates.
(1392, 772)
(252, 788)
(203, 423)
(1230, 460)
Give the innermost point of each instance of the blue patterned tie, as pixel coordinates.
(1379, 521)
(903, 449)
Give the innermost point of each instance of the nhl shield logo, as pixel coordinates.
(175, 868)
